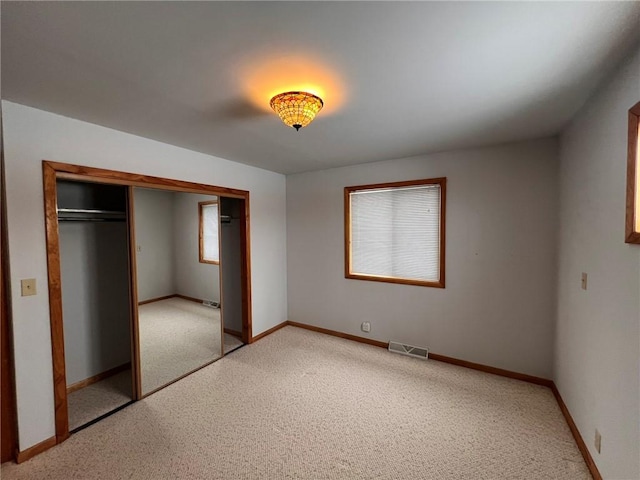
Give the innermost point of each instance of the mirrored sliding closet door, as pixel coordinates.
(178, 283)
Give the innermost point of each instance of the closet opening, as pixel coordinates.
(134, 273)
(231, 233)
(93, 235)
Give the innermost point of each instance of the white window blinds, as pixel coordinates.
(210, 233)
(395, 232)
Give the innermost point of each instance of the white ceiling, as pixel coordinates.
(398, 79)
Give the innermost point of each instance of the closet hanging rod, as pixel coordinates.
(90, 215)
(88, 219)
(85, 210)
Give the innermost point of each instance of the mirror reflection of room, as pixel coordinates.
(178, 283)
(94, 253)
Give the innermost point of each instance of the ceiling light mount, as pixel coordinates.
(296, 109)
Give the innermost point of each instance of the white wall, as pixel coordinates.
(498, 307)
(597, 356)
(193, 279)
(32, 135)
(154, 227)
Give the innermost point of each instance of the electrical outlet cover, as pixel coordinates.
(28, 287)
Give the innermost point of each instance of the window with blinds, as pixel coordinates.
(395, 232)
(209, 232)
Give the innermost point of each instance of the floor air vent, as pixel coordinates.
(211, 303)
(410, 350)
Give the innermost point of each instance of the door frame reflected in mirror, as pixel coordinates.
(53, 171)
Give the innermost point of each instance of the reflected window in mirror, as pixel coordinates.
(209, 222)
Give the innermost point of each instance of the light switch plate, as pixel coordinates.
(28, 286)
(583, 282)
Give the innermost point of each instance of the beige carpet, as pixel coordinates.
(99, 398)
(231, 343)
(176, 337)
(302, 405)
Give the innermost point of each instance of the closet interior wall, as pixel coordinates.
(95, 279)
(231, 262)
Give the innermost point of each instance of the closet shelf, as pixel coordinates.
(90, 215)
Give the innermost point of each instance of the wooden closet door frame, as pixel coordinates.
(51, 172)
(8, 402)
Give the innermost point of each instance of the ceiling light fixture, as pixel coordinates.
(296, 109)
